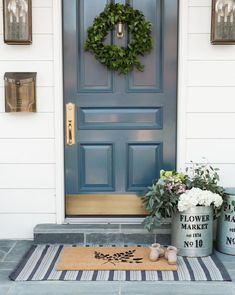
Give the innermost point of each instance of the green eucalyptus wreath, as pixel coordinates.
(121, 59)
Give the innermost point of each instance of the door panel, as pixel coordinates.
(152, 80)
(120, 118)
(92, 76)
(97, 158)
(148, 157)
(125, 125)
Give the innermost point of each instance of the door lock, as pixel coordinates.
(70, 123)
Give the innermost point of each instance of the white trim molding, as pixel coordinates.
(59, 118)
(182, 84)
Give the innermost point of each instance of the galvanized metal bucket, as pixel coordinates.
(192, 232)
(225, 240)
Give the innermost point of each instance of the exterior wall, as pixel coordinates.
(27, 141)
(30, 162)
(210, 95)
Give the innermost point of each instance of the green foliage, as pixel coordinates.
(173, 176)
(114, 57)
(205, 177)
(161, 199)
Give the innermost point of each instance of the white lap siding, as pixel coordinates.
(210, 95)
(27, 141)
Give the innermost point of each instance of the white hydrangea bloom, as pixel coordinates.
(197, 197)
(218, 201)
(183, 206)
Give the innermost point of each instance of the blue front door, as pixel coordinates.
(125, 125)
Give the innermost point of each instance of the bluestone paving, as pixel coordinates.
(98, 238)
(68, 288)
(63, 238)
(2, 255)
(7, 243)
(5, 247)
(99, 233)
(4, 280)
(135, 288)
(18, 248)
(5, 265)
(4, 290)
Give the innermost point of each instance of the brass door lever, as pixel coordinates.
(70, 123)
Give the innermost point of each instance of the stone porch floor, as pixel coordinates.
(12, 251)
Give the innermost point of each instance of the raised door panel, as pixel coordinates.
(144, 162)
(92, 76)
(120, 118)
(151, 79)
(96, 167)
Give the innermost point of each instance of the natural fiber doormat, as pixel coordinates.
(39, 264)
(110, 258)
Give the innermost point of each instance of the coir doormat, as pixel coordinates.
(110, 258)
(39, 264)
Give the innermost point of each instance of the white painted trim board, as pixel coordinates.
(182, 84)
(58, 95)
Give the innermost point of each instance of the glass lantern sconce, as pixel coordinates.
(223, 22)
(17, 21)
(20, 92)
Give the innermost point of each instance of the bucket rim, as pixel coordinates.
(198, 209)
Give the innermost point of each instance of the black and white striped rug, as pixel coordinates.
(39, 265)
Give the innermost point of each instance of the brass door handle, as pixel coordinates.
(120, 30)
(70, 123)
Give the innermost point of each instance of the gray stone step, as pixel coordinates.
(90, 234)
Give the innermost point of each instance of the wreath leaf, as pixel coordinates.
(121, 59)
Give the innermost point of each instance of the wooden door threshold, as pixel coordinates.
(104, 205)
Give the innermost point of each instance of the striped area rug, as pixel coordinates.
(39, 265)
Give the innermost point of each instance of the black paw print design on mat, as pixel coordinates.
(127, 257)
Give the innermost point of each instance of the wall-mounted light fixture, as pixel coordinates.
(17, 21)
(223, 22)
(20, 92)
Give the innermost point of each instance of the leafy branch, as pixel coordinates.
(127, 256)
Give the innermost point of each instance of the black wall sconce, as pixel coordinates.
(223, 22)
(17, 21)
(20, 92)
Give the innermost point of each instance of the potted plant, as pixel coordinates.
(192, 200)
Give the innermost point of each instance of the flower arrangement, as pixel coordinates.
(175, 191)
(198, 197)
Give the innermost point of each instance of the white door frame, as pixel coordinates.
(59, 114)
(58, 94)
(182, 84)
